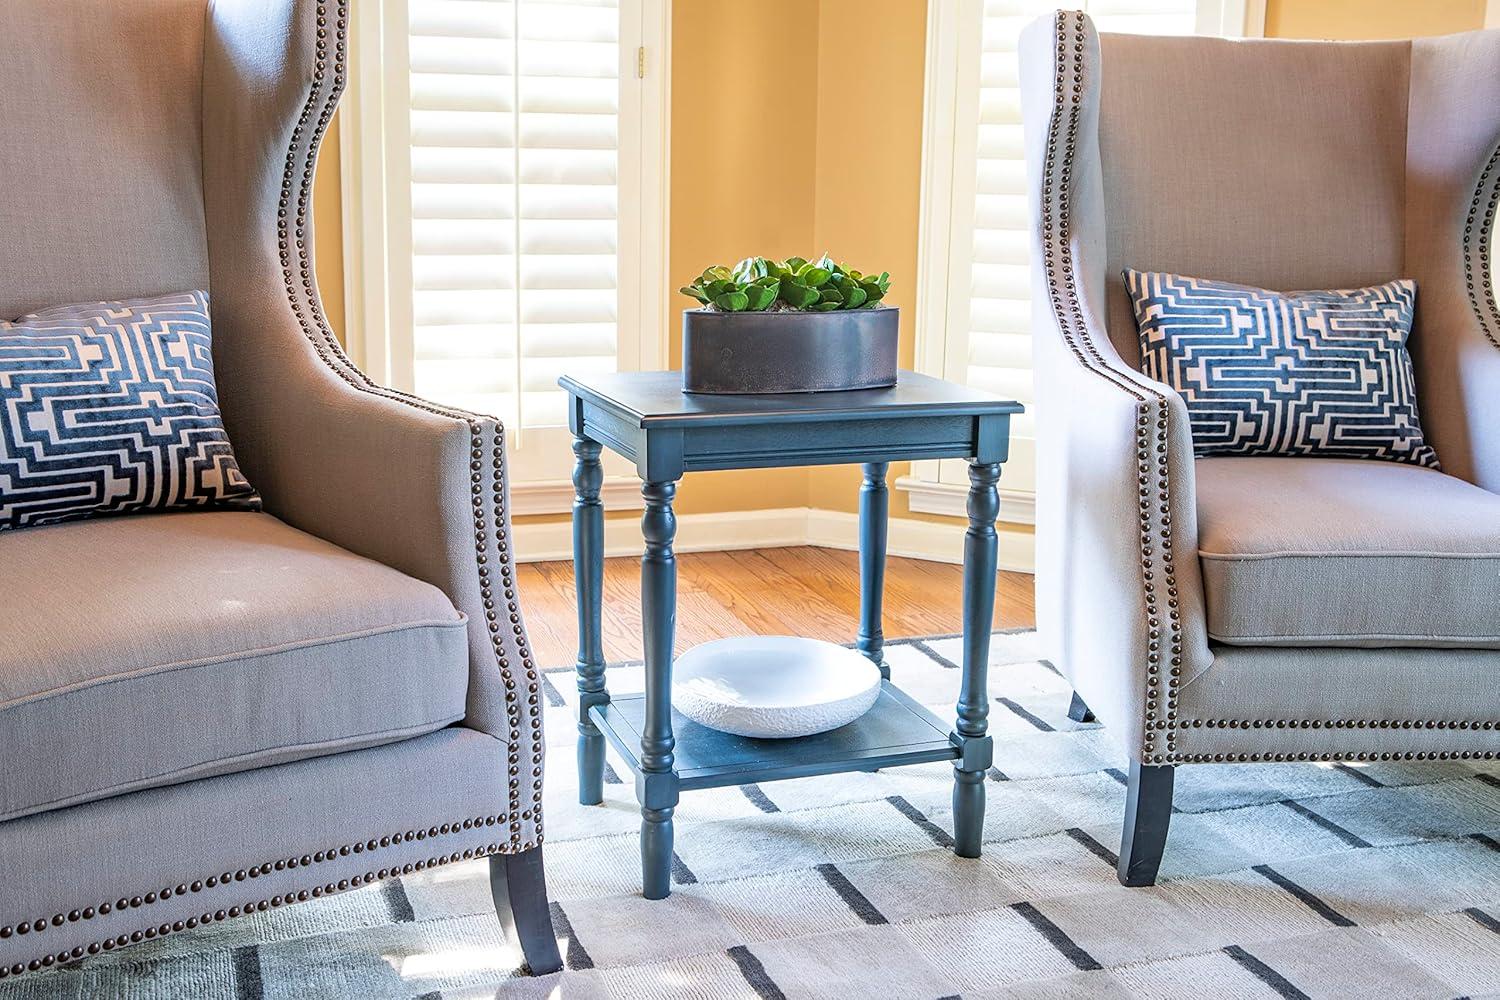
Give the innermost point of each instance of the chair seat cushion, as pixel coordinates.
(148, 650)
(1333, 552)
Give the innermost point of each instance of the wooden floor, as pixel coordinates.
(793, 591)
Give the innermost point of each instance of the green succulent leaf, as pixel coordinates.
(796, 294)
(830, 295)
(732, 301)
(715, 273)
(749, 269)
(695, 292)
(813, 276)
(873, 292)
(759, 297)
(827, 263)
(794, 264)
(824, 306)
(854, 298)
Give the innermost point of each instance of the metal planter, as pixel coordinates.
(761, 352)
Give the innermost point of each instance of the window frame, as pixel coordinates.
(375, 141)
(946, 232)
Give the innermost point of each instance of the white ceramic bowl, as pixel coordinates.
(773, 687)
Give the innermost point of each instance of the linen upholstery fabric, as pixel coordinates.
(101, 151)
(1291, 169)
(245, 842)
(1277, 703)
(1328, 552)
(110, 408)
(1285, 373)
(202, 643)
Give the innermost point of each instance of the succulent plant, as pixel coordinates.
(758, 284)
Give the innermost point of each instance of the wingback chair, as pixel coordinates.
(210, 714)
(1263, 609)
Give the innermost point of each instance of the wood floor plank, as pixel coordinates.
(785, 591)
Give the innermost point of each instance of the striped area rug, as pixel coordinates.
(1279, 881)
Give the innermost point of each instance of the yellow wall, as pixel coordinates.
(871, 65)
(328, 230)
(1370, 19)
(797, 128)
(744, 139)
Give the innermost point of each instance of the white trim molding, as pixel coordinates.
(1232, 18)
(775, 528)
(928, 497)
(555, 496)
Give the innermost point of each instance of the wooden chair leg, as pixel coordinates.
(1079, 711)
(518, 883)
(1148, 812)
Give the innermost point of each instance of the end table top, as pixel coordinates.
(656, 399)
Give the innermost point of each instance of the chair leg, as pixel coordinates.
(1078, 711)
(518, 883)
(1148, 811)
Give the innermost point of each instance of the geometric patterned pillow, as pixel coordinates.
(110, 408)
(1285, 373)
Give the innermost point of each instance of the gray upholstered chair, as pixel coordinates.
(1263, 609)
(208, 714)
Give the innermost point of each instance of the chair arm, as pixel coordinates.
(1453, 190)
(413, 485)
(1119, 593)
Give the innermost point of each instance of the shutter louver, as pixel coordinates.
(514, 137)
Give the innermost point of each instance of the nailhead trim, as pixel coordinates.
(308, 309)
(1247, 758)
(1164, 636)
(1478, 268)
(260, 905)
(1336, 724)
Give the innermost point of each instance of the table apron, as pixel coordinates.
(666, 453)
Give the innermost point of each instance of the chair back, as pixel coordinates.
(101, 150)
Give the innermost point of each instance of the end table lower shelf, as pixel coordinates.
(895, 731)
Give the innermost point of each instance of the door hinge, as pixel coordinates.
(640, 63)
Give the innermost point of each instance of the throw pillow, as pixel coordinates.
(1322, 373)
(110, 408)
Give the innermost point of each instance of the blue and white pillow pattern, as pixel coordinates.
(1322, 374)
(110, 408)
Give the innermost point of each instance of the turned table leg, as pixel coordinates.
(588, 579)
(656, 785)
(874, 516)
(981, 547)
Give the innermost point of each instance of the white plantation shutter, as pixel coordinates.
(514, 183)
(977, 317)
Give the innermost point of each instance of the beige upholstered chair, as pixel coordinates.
(1263, 609)
(208, 714)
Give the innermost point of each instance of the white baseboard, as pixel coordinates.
(775, 528)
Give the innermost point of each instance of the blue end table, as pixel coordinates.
(648, 419)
